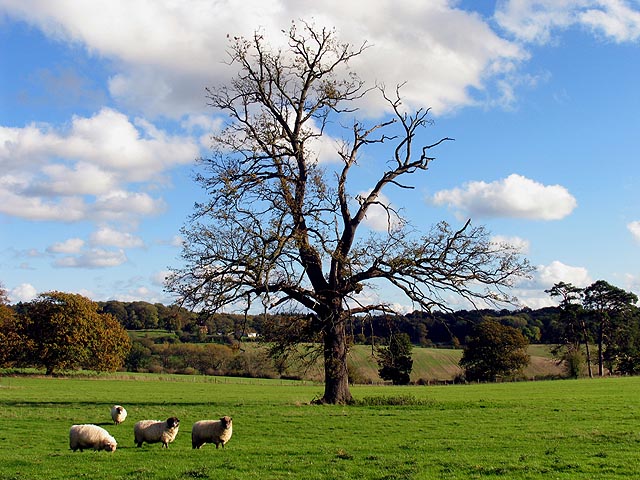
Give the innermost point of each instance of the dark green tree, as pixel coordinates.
(608, 305)
(146, 314)
(494, 350)
(118, 310)
(282, 230)
(395, 360)
(622, 352)
(573, 327)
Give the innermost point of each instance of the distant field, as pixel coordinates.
(441, 364)
(430, 365)
(564, 429)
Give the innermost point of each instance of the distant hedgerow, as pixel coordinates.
(391, 400)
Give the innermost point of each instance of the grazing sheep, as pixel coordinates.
(154, 431)
(118, 414)
(211, 431)
(91, 436)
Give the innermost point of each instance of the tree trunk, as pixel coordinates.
(583, 325)
(586, 346)
(336, 374)
(600, 352)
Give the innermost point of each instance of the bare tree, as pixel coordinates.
(279, 227)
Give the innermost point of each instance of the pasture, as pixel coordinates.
(569, 429)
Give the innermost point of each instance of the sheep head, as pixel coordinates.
(225, 421)
(173, 422)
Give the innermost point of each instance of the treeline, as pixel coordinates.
(595, 326)
(424, 329)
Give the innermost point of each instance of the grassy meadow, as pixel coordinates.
(441, 364)
(564, 429)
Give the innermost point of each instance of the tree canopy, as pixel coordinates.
(61, 331)
(607, 303)
(9, 339)
(573, 326)
(281, 228)
(395, 360)
(494, 350)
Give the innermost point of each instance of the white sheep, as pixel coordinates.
(154, 431)
(211, 431)
(118, 414)
(91, 436)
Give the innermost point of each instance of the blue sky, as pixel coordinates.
(102, 113)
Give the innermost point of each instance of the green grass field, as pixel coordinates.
(569, 429)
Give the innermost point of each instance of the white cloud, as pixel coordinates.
(535, 300)
(72, 245)
(634, 228)
(51, 174)
(121, 205)
(78, 179)
(138, 150)
(536, 20)
(615, 19)
(24, 292)
(107, 143)
(531, 293)
(109, 237)
(159, 278)
(556, 271)
(143, 294)
(94, 258)
(632, 283)
(166, 51)
(520, 244)
(381, 216)
(515, 196)
(70, 209)
(202, 123)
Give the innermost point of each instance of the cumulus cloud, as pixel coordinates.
(120, 205)
(515, 197)
(109, 237)
(536, 20)
(24, 292)
(382, 215)
(52, 174)
(72, 245)
(204, 125)
(166, 52)
(70, 209)
(94, 258)
(519, 244)
(632, 283)
(556, 271)
(615, 19)
(108, 142)
(531, 293)
(159, 278)
(634, 228)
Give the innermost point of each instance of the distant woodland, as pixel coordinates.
(594, 331)
(436, 329)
